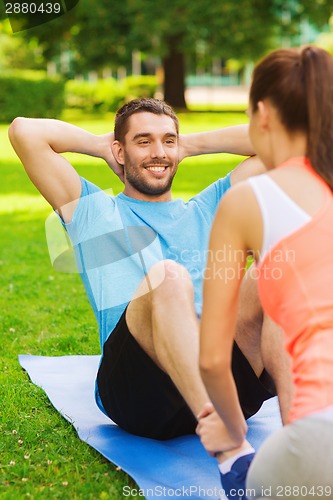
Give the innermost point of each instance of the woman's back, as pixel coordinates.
(295, 276)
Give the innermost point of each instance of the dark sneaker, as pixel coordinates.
(233, 482)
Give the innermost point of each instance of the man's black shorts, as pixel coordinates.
(143, 400)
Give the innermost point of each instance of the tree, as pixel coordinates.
(171, 29)
(104, 34)
(16, 54)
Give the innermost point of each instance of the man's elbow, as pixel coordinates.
(18, 130)
(250, 167)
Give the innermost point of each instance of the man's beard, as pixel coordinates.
(137, 181)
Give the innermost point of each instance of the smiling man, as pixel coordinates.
(149, 153)
(145, 291)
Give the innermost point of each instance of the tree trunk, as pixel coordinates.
(174, 77)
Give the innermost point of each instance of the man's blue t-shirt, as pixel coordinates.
(117, 239)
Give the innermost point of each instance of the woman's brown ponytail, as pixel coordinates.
(318, 73)
(300, 85)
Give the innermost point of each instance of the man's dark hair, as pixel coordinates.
(142, 105)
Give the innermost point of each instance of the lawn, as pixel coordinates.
(46, 313)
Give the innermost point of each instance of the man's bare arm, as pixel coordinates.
(39, 142)
(234, 140)
(247, 168)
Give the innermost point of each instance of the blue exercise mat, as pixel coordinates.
(177, 468)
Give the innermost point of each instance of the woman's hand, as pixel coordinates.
(213, 433)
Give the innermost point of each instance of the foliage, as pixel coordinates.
(15, 53)
(108, 94)
(140, 86)
(30, 94)
(94, 96)
(104, 36)
(177, 31)
(325, 40)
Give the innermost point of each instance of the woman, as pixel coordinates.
(284, 218)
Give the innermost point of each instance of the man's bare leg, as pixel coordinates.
(163, 321)
(262, 342)
(249, 323)
(277, 363)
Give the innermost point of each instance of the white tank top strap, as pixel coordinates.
(280, 214)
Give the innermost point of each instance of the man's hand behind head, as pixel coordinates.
(183, 151)
(109, 157)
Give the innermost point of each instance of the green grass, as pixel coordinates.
(46, 313)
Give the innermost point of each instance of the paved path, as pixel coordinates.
(217, 95)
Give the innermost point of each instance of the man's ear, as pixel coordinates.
(118, 152)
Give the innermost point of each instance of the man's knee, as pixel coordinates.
(166, 281)
(170, 281)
